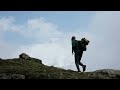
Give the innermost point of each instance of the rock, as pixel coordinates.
(11, 76)
(24, 56)
(109, 71)
(4, 76)
(106, 74)
(17, 76)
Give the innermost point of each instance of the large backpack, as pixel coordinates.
(78, 45)
(81, 46)
(83, 43)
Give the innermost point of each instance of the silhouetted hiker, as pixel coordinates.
(77, 48)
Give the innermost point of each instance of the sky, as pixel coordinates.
(46, 35)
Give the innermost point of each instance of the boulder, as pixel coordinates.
(24, 56)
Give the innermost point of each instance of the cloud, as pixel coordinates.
(40, 30)
(104, 48)
(8, 24)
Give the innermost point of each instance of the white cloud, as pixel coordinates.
(8, 24)
(40, 29)
(104, 49)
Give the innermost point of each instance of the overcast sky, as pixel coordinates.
(46, 35)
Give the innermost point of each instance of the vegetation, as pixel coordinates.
(32, 68)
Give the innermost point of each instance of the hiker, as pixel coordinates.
(77, 48)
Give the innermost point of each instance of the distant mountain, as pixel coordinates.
(26, 67)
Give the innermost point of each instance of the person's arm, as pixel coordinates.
(73, 46)
(73, 50)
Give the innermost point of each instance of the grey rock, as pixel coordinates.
(17, 76)
(11, 76)
(106, 74)
(24, 56)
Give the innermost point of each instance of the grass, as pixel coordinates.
(34, 69)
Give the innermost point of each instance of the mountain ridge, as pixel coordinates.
(26, 67)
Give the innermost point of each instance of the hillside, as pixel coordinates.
(26, 67)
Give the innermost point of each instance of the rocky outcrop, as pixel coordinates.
(24, 56)
(27, 57)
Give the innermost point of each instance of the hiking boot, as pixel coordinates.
(84, 68)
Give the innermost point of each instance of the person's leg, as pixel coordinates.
(77, 62)
(83, 66)
(80, 56)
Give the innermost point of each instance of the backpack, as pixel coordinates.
(84, 42)
(81, 46)
(78, 45)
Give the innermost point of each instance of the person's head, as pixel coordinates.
(73, 38)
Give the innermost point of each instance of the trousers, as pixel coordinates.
(78, 56)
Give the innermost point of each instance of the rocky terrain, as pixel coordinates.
(26, 67)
